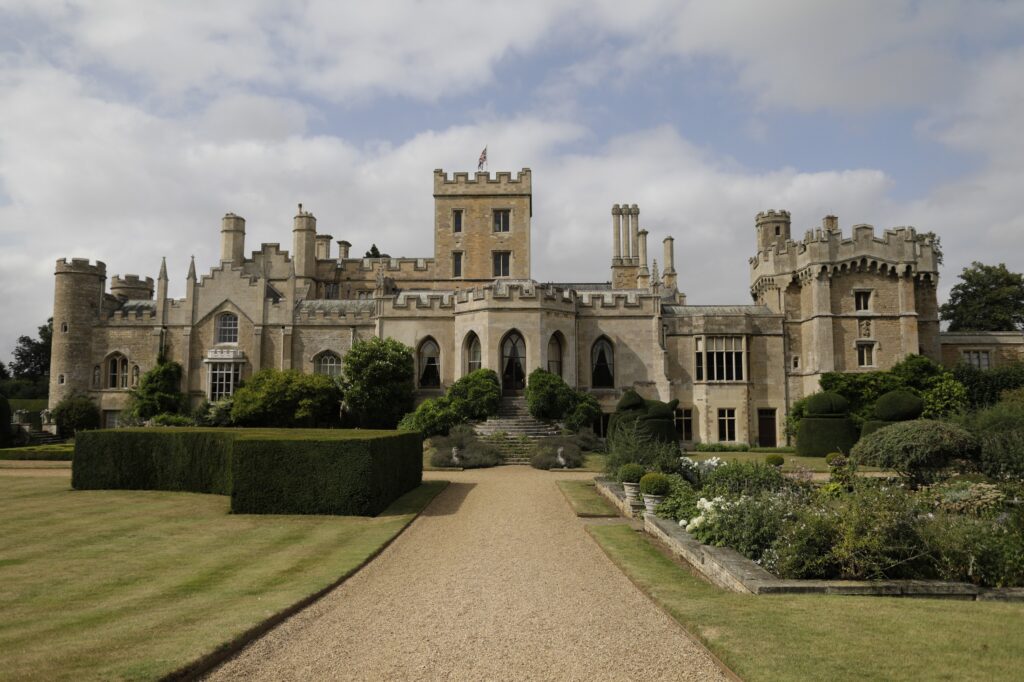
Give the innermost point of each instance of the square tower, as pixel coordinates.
(482, 225)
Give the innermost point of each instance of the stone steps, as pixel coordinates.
(43, 438)
(514, 431)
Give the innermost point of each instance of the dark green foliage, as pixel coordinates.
(818, 436)
(655, 483)
(652, 417)
(736, 479)
(25, 388)
(432, 417)
(287, 399)
(632, 443)
(681, 502)
(265, 471)
(782, 449)
(832, 456)
(75, 413)
(158, 392)
(43, 453)
(217, 413)
(32, 356)
(803, 547)
(358, 477)
(873, 425)
(985, 387)
(4, 373)
(587, 441)
(1002, 454)
(898, 406)
(473, 452)
(630, 473)
(982, 551)
(723, 447)
(919, 450)
(584, 413)
(915, 373)
(797, 411)
(476, 396)
(548, 396)
(173, 420)
(378, 384)
(153, 459)
(987, 298)
(826, 403)
(774, 460)
(5, 423)
(545, 454)
(748, 524)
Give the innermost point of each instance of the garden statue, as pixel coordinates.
(455, 454)
(561, 459)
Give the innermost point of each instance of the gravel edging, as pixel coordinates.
(196, 669)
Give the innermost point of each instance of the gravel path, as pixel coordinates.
(496, 580)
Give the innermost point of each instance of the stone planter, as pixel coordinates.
(632, 493)
(651, 502)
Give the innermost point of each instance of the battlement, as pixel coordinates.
(80, 266)
(771, 215)
(423, 300)
(482, 182)
(130, 281)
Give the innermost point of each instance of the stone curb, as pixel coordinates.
(730, 570)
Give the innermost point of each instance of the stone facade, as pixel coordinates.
(822, 304)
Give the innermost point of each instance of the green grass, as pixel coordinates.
(585, 500)
(593, 461)
(136, 584)
(816, 464)
(815, 637)
(61, 452)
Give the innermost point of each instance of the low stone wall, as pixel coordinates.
(732, 571)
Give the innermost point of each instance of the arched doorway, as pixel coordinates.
(513, 361)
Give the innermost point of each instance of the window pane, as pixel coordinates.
(501, 220)
(227, 328)
(457, 221)
(457, 264)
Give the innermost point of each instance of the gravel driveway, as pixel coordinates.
(496, 580)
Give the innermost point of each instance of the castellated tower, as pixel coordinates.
(482, 225)
(232, 239)
(77, 303)
(304, 247)
(131, 288)
(851, 304)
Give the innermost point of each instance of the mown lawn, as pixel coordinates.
(584, 499)
(827, 638)
(136, 584)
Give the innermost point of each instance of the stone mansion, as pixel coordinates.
(826, 302)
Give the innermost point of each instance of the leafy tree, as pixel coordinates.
(378, 381)
(285, 399)
(475, 396)
(4, 374)
(374, 252)
(32, 356)
(158, 392)
(988, 298)
(936, 244)
(76, 412)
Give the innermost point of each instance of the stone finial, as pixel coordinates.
(192, 269)
(163, 268)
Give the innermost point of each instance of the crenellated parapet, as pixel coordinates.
(132, 287)
(423, 300)
(348, 311)
(516, 293)
(80, 266)
(482, 182)
(899, 250)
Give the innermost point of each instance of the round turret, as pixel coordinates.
(77, 301)
(773, 227)
(131, 288)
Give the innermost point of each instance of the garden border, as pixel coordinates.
(730, 570)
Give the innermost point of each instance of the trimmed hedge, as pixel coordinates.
(153, 459)
(818, 436)
(342, 477)
(826, 403)
(898, 406)
(653, 417)
(873, 425)
(48, 453)
(266, 471)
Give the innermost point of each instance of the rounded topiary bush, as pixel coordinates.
(826, 403)
(655, 483)
(818, 436)
(775, 460)
(630, 473)
(919, 450)
(76, 413)
(898, 406)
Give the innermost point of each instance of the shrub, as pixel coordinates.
(736, 479)
(998, 418)
(780, 450)
(919, 450)
(172, 420)
(820, 435)
(681, 502)
(898, 406)
(831, 457)
(378, 382)
(826, 403)
(655, 483)
(585, 412)
(946, 396)
(721, 447)
(652, 418)
(630, 473)
(548, 396)
(5, 423)
(346, 476)
(476, 396)
(473, 451)
(631, 443)
(797, 411)
(873, 425)
(76, 413)
(982, 551)
(158, 392)
(748, 524)
(546, 454)
(433, 417)
(217, 413)
(775, 460)
(197, 461)
(1002, 455)
(287, 399)
(965, 497)
(696, 471)
(587, 440)
(803, 547)
(984, 387)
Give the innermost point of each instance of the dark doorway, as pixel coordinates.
(513, 357)
(766, 428)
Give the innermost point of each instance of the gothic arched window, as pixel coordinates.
(430, 364)
(555, 354)
(117, 371)
(327, 363)
(602, 364)
(474, 357)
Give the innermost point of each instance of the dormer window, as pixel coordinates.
(227, 328)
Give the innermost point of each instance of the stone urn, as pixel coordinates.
(651, 502)
(632, 493)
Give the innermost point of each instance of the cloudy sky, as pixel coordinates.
(127, 128)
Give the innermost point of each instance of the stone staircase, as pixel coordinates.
(43, 438)
(514, 430)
